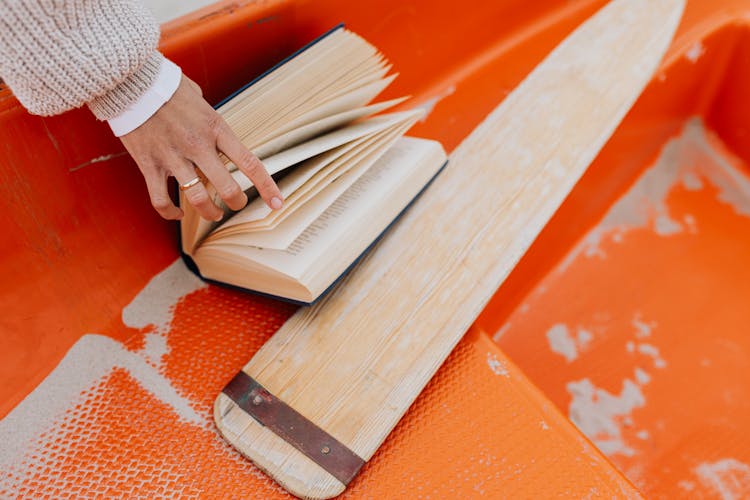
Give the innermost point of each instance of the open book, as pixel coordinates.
(343, 166)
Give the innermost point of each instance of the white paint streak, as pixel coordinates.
(497, 366)
(600, 415)
(728, 478)
(98, 159)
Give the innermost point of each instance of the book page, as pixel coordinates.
(331, 174)
(257, 209)
(341, 230)
(285, 230)
(350, 101)
(306, 178)
(313, 147)
(295, 95)
(318, 127)
(299, 73)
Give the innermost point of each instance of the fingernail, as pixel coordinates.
(276, 203)
(218, 218)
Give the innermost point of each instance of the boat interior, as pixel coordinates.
(614, 361)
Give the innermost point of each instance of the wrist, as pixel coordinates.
(161, 88)
(117, 99)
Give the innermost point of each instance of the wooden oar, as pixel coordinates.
(336, 378)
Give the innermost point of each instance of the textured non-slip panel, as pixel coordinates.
(133, 419)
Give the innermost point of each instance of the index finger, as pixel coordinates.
(251, 166)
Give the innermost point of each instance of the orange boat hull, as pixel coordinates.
(111, 353)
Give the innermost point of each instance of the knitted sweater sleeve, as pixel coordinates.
(60, 54)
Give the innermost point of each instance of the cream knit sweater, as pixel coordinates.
(60, 54)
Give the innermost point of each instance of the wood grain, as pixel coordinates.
(354, 362)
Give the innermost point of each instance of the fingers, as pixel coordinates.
(222, 180)
(251, 166)
(196, 195)
(156, 182)
(186, 132)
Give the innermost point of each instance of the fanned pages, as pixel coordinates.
(343, 167)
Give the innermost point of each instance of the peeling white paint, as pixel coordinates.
(694, 160)
(154, 305)
(691, 181)
(155, 348)
(85, 365)
(653, 352)
(642, 329)
(90, 361)
(642, 377)
(728, 478)
(497, 366)
(562, 341)
(600, 415)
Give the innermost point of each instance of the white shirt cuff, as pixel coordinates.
(155, 97)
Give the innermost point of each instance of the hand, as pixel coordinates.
(187, 133)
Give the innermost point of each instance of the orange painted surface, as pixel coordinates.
(73, 225)
(119, 439)
(630, 310)
(128, 410)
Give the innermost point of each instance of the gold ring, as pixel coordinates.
(190, 183)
